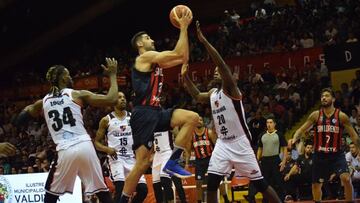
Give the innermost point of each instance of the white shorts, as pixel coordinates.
(236, 154)
(77, 160)
(121, 167)
(159, 161)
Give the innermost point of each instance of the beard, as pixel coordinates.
(325, 105)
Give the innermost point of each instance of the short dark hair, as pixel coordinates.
(272, 118)
(328, 89)
(135, 39)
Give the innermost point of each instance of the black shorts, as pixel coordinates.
(201, 167)
(145, 121)
(326, 164)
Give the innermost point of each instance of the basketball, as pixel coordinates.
(179, 9)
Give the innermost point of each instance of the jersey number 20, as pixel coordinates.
(67, 118)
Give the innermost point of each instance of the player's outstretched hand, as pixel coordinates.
(111, 66)
(7, 149)
(185, 19)
(200, 35)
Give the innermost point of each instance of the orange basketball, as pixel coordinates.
(179, 9)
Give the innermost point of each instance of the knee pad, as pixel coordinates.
(213, 181)
(167, 185)
(261, 185)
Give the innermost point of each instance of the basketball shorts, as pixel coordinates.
(326, 164)
(236, 154)
(77, 160)
(159, 161)
(145, 121)
(121, 167)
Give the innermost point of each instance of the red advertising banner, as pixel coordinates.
(242, 65)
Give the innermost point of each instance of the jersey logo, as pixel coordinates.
(334, 120)
(123, 127)
(216, 104)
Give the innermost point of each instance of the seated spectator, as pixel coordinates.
(351, 38)
(306, 41)
(260, 13)
(353, 160)
(300, 176)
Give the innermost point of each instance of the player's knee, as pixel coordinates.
(345, 178)
(142, 166)
(192, 118)
(261, 185)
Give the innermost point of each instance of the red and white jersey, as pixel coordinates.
(119, 135)
(64, 120)
(229, 116)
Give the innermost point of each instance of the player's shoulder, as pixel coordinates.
(314, 115)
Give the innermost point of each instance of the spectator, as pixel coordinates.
(306, 41)
(351, 38)
(353, 159)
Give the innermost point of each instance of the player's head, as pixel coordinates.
(308, 149)
(121, 102)
(327, 97)
(59, 78)
(201, 123)
(270, 124)
(142, 41)
(353, 149)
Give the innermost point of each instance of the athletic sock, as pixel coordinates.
(176, 153)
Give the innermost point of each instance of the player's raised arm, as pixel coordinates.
(202, 97)
(308, 123)
(229, 83)
(32, 111)
(99, 99)
(165, 59)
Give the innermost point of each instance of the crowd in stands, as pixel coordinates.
(287, 96)
(266, 28)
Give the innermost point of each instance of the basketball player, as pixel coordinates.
(162, 182)
(232, 149)
(115, 129)
(329, 123)
(203, 143)
(7, 149)
(148, 116)
(76, 152)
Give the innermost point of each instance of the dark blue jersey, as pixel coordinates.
(147, 86)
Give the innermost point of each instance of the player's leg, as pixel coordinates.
(168, 190)
(348, 187)
(155, 172)
(141, 193)
(119, 185)
(50, 198)
(143, 162)
(223, 192)
(316, 191)
(187, 122)
(179, 188)
(212, 187)
(90, 172)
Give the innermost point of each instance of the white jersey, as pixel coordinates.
(229, 116)
(119, 135)
(64, 120)
(162, 141)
